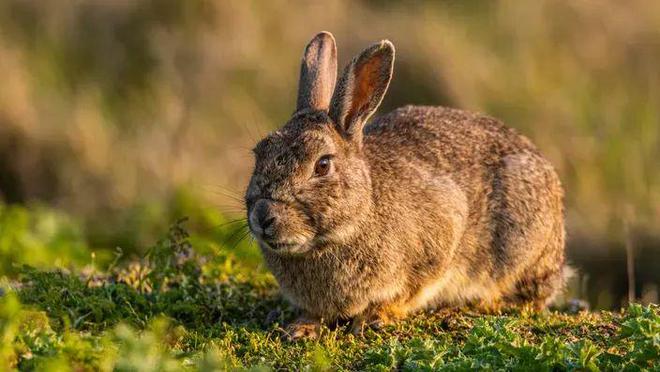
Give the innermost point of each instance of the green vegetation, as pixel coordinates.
(40, 237)
(177, 308)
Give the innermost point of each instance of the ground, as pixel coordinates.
(176, 309)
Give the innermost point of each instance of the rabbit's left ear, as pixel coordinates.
(361, 89)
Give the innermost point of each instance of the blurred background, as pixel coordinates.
(118, 117)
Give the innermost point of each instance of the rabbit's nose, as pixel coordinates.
(264, 217)
(266, 222)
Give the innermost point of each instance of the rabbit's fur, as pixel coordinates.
(422, 207)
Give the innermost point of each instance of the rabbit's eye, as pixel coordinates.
(323, 166)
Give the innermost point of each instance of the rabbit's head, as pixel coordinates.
(311, 183)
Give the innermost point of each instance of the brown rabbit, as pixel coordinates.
(420, 208)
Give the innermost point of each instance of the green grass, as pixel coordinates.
(175, 308)
(39, 236)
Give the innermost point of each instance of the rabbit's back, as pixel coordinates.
(446, 138)
(431, 164)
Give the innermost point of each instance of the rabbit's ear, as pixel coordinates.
(361, 88)
(318, 73)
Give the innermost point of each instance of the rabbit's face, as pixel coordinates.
(311, 184)
(309, 187)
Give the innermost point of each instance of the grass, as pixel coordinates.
(175, 308)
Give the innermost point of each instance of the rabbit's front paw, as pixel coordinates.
(303, 328)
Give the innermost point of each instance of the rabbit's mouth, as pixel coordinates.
(286, 247)
(279, 227)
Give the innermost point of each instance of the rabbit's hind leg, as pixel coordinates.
(528, 240)
(539, 283)
(536, 288)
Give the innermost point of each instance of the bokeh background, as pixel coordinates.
(119, 117)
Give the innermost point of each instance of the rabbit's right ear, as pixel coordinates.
(318, 73)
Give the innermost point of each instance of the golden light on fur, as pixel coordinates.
(424, 206)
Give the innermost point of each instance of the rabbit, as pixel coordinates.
(421, 208)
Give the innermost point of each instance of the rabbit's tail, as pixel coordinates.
(559, 298)
(568, 273)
